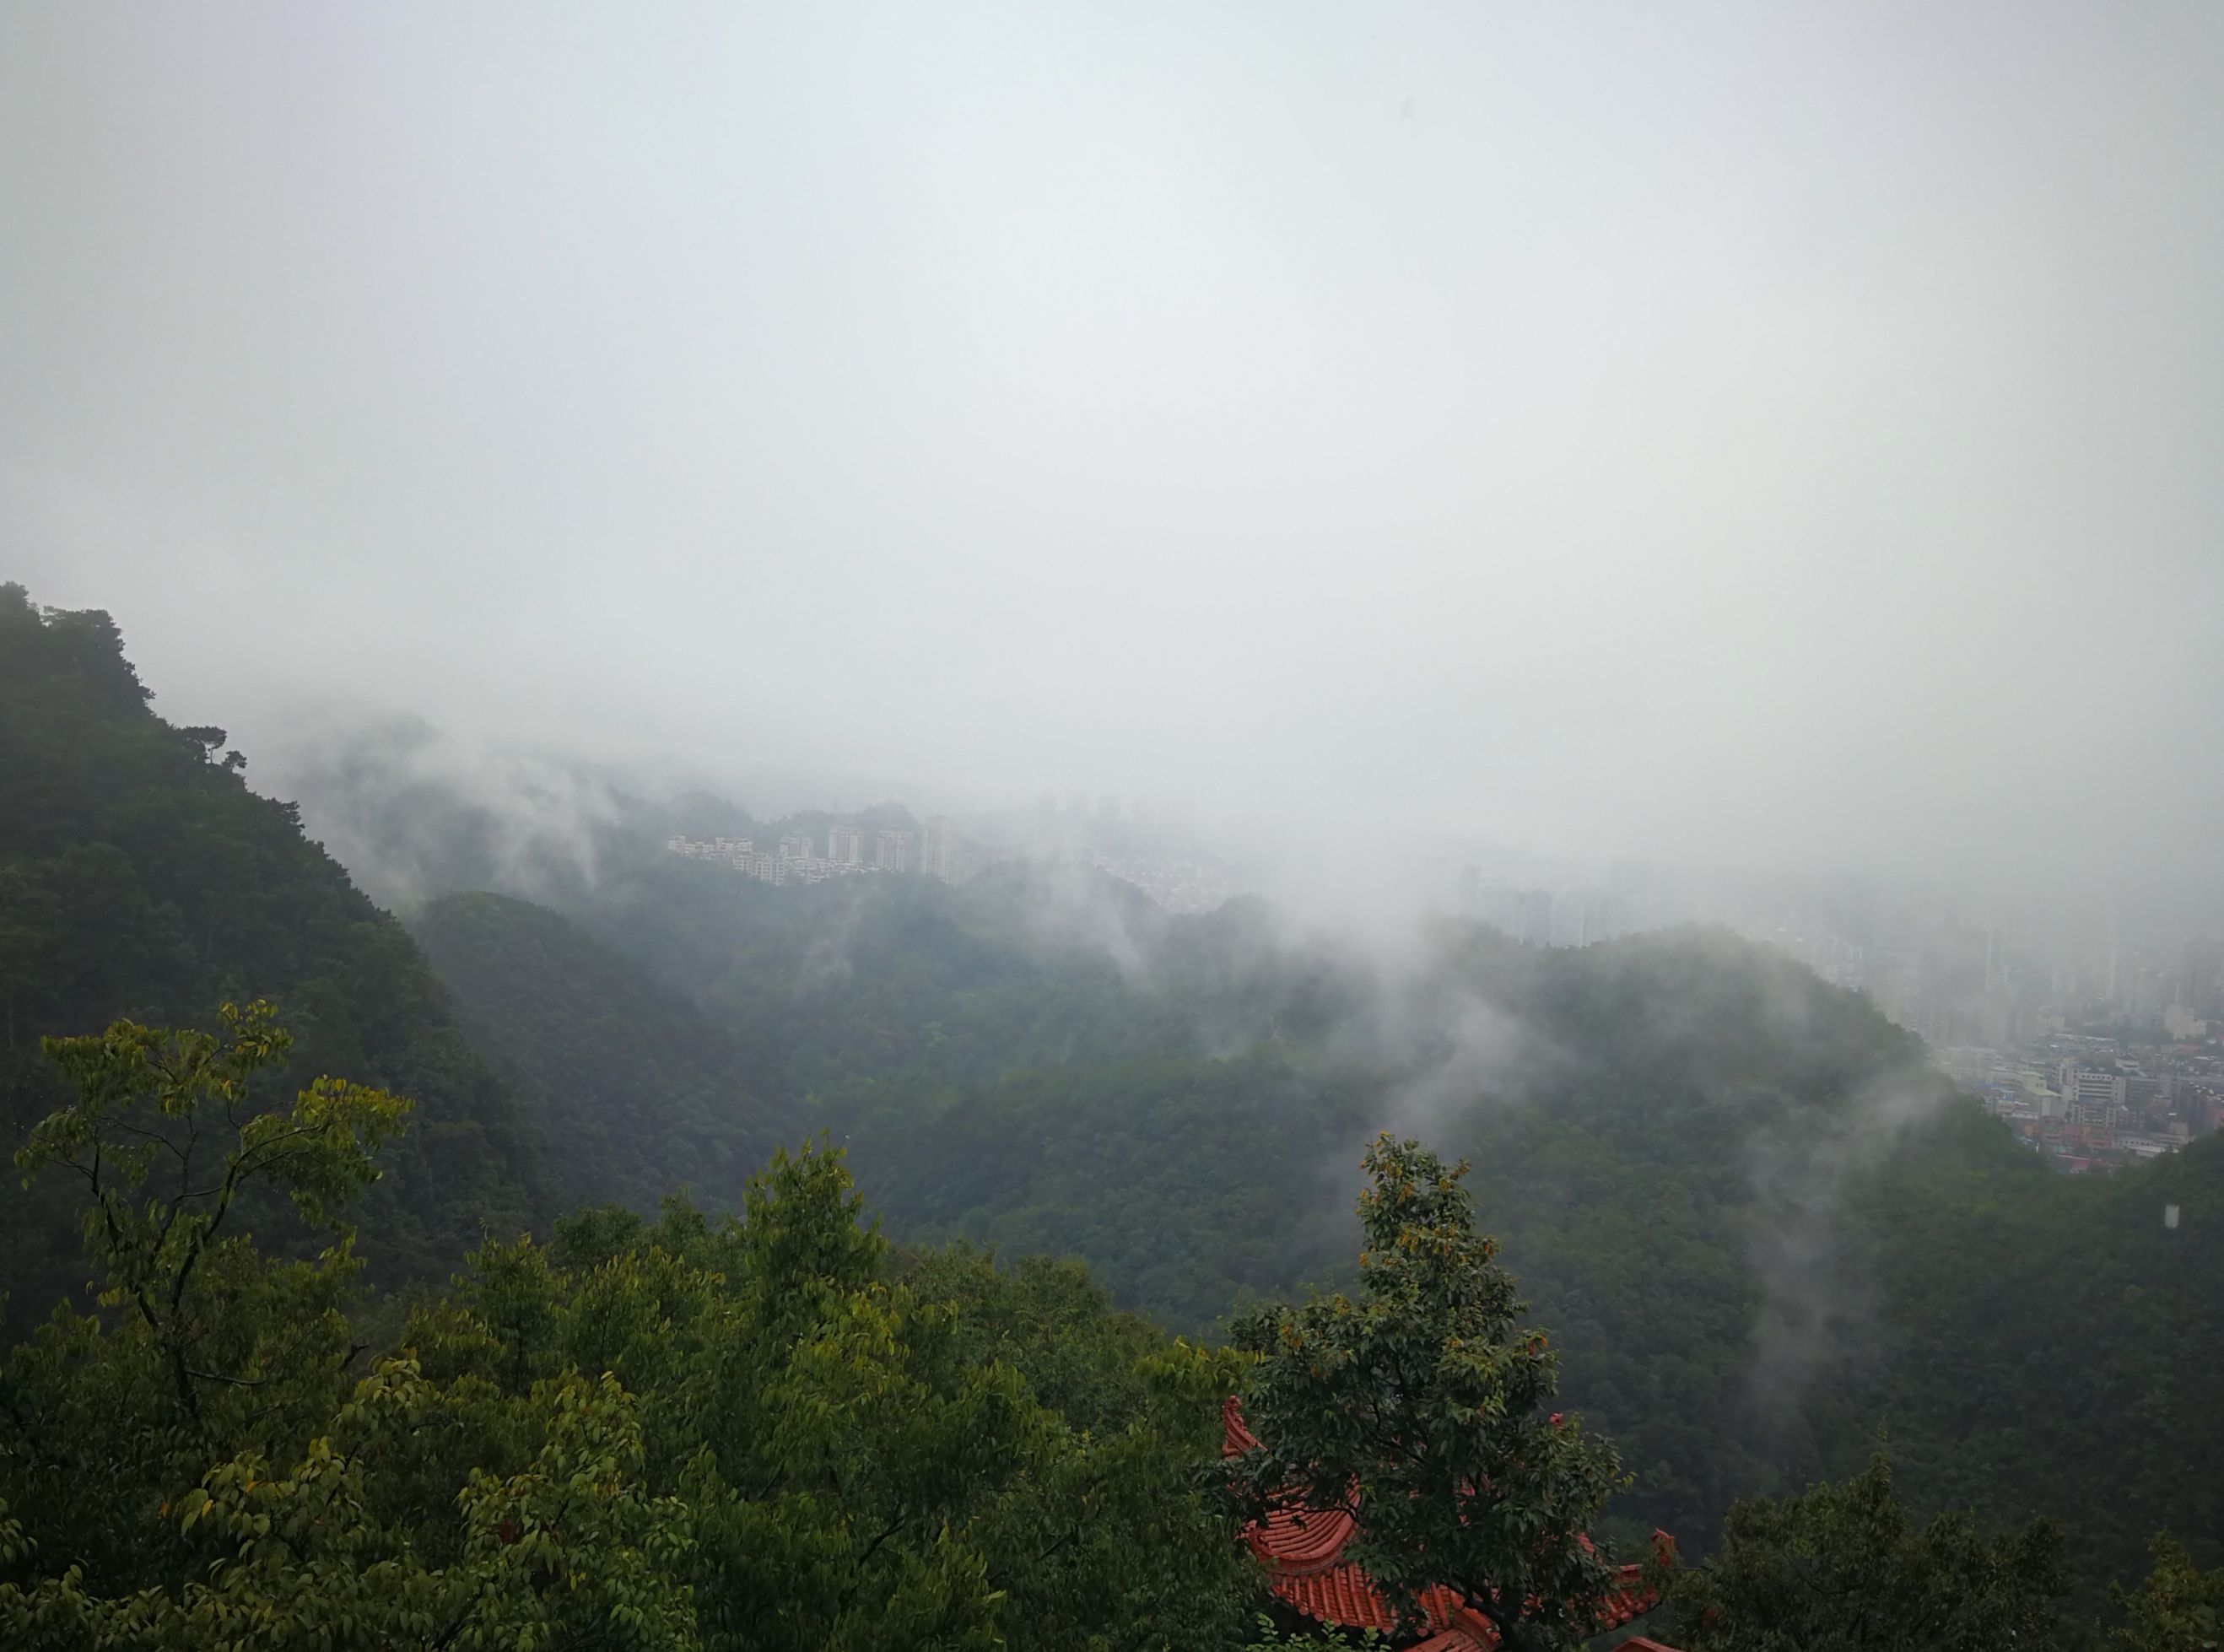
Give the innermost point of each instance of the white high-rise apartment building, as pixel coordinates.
(845, 846)
(940, 859)
(892, 851)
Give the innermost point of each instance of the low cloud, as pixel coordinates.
(414, 813)
(1815, 1297)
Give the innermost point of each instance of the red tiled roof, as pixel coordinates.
(1303, 1549)
(1301, 1541)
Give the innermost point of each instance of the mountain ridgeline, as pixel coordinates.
(1757, 1227)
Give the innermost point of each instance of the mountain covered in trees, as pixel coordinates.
(1757, 1227)
(632, 1087)
(1758, 1224)
(139, 876)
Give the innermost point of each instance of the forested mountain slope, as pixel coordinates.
(634, 1090)
(852, 985)
(139, 877)
(1653, 1124)
(2049, 1342)
(1758, 1224)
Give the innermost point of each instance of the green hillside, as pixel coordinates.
(635, 1091)
(1759, 1225)
(140, 877)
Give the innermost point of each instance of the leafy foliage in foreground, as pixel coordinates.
(1420, 1408)
(758, 1433)
(2179, 1608)
(1842, 1567)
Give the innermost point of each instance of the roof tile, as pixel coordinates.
(1303, 1549)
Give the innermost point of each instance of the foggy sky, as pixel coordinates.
(1777, 431)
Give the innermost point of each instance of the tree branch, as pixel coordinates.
(219, 1377)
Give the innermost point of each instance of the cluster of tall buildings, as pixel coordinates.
(939, 852)
(1541, 916)
(795, 858)
(1964, 980)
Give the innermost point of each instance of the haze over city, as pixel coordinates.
(1775, 434)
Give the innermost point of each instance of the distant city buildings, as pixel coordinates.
(940, 856)
(736, 852)
(940, 852)
(2088, 1103)
(792, 862)
(1544, 917)
(1174, 884)
(1149, 844)
(892, 851)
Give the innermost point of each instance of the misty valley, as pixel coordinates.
(1111, 828)
(676, 1257)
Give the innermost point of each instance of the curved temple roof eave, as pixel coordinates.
(1303, 1552)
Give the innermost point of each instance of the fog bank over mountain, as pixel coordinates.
(1768, 434)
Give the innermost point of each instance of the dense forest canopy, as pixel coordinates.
(630, 1084)
(761, 1433)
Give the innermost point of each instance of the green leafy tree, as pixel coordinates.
(868, 1450)
(748, 1435)
(207, 1344)
(179, 1104)
(568, 1552)
(1270, 1637)
(1844, 1568)
(2179, 1608)
(1419, 1408)
(195, 1469)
